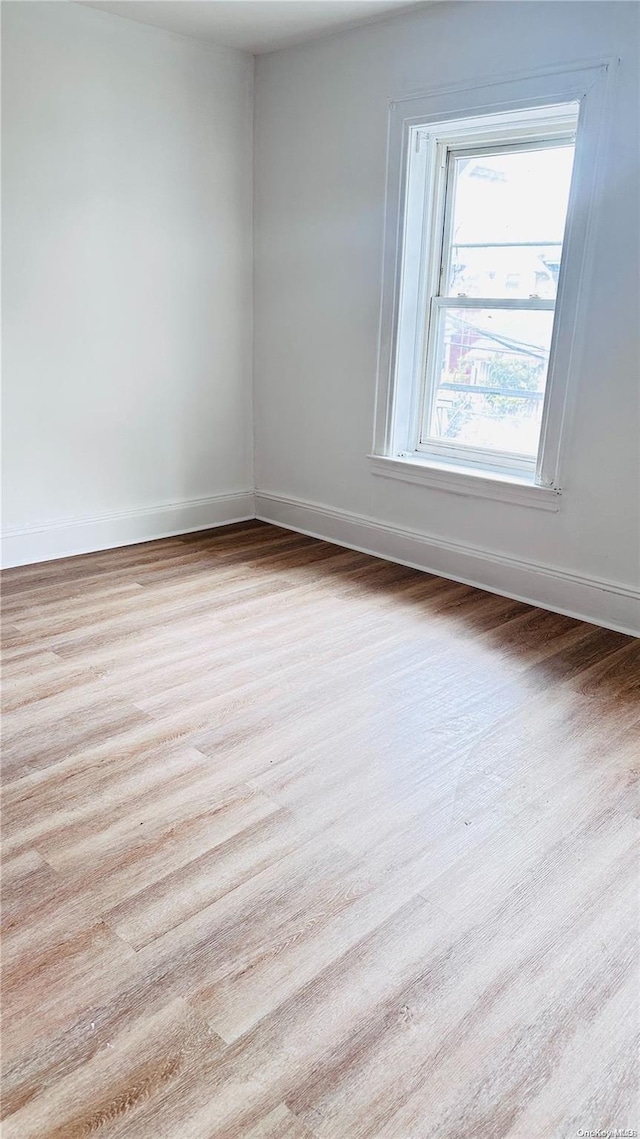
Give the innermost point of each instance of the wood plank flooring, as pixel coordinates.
(299, 844)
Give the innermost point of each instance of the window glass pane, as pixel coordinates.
(508, 218)
(489, 387)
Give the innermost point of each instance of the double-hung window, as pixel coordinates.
(498, 204)
(485, 227)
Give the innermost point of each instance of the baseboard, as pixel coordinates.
(68, 536)
(611, 604)
(607, 603)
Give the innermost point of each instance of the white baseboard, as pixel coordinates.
(608, 603)
(68, 536)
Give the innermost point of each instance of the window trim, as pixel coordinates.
(397, 402)
(505, 487)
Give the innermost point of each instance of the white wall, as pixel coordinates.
(127, 407)
(320, 153)
(127, 281)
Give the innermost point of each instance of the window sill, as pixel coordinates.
(462, 480)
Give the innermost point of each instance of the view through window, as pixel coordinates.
(492, 313)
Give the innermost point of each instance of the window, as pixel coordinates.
(484, 244)
(493, 277)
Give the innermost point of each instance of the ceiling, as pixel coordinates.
(254, 25)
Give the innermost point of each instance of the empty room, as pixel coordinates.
(320, 569)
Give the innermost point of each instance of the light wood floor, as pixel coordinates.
(300, 844)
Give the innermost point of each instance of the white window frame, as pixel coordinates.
(422, 128)
(430, 153)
